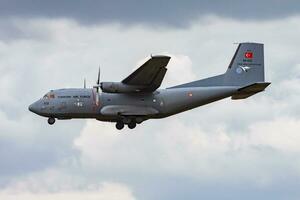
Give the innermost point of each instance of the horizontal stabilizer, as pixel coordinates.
(250, 90)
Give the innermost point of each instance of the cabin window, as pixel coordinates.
(62, 97)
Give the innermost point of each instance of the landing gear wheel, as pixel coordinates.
(132, 125)
(119, 125)
(51, 121)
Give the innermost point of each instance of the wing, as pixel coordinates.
(150, 75)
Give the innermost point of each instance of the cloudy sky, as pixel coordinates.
(227, 150)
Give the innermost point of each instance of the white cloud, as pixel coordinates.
(282, 134)
(179, 71)
(185, 150)
(107, 191)
(53, 184)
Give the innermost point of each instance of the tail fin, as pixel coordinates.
(246, 66)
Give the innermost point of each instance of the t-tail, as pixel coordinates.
(245, 71)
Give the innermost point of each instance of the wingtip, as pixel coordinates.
(160, 56)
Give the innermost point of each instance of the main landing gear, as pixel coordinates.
(51, 120)
(131, 124)
(120, 125)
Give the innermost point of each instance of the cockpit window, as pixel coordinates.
(49, 95)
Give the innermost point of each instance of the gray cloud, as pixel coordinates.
(172, 13)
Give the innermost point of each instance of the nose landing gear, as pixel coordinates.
(51, 120)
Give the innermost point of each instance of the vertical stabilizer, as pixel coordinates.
(246, 66)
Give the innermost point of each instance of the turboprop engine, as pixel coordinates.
(118, 87)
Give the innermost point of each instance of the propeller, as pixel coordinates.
(84, 83)
(98, 84)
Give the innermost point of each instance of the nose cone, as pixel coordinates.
(32, 108)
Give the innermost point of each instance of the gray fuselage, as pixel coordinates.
(81, 103)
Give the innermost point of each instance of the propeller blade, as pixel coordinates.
(98, 80)
(84, 83)
(97, 99)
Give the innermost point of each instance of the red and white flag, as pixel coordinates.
(249, 55)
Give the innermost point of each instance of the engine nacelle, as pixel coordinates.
(118, 87)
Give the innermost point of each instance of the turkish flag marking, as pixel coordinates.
(249, 55)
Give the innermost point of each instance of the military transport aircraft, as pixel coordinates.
(137, 97)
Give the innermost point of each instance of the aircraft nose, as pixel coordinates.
(32, 108)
